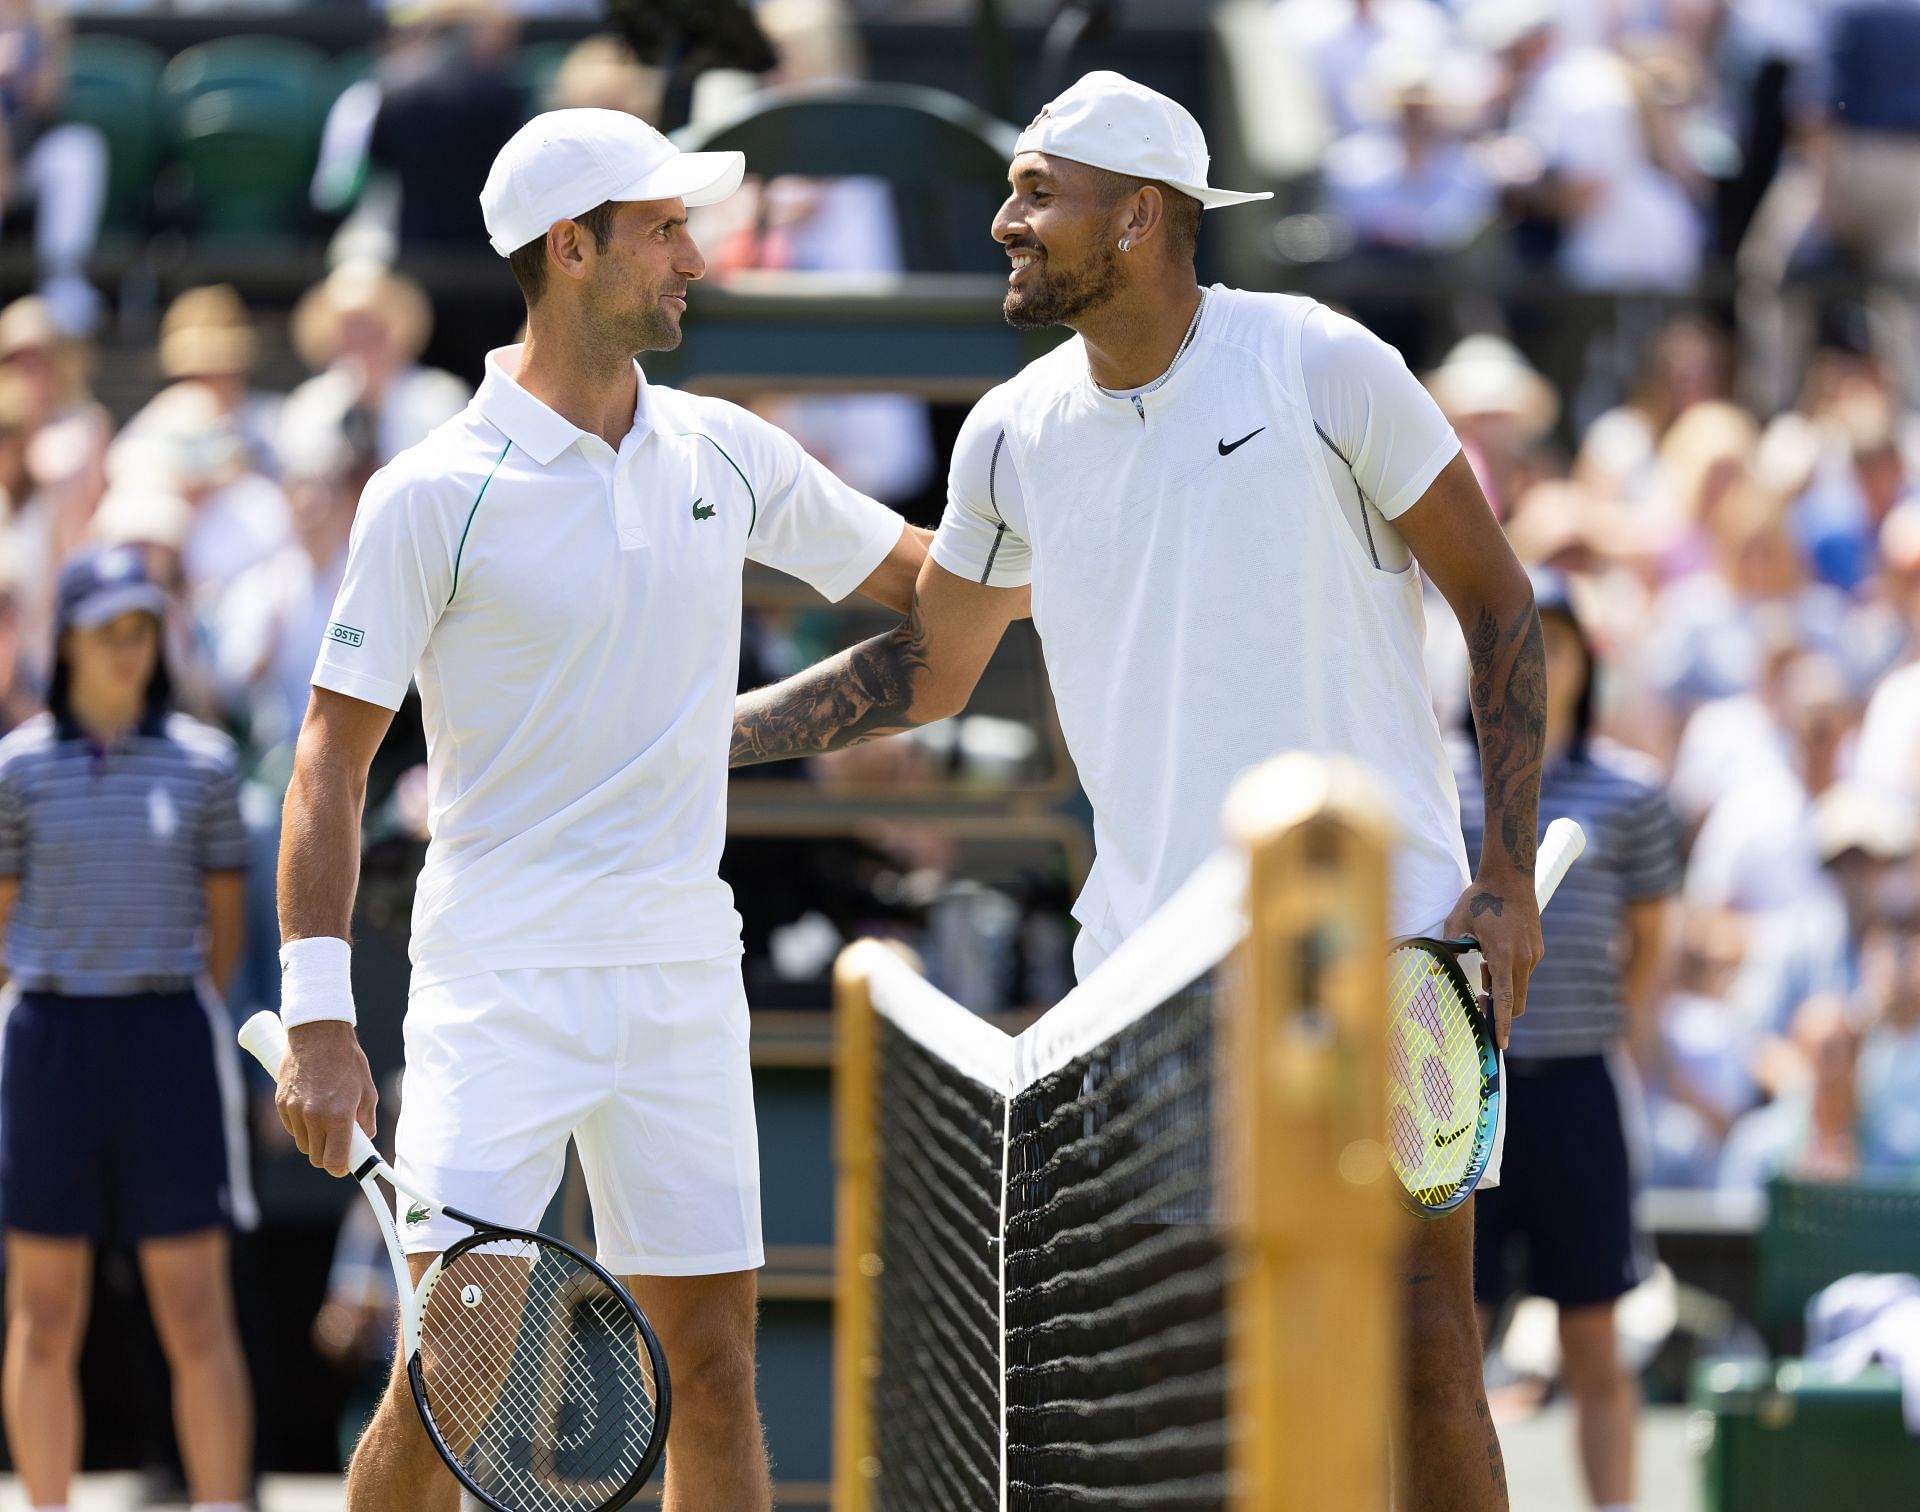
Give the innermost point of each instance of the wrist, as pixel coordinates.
(316, 982)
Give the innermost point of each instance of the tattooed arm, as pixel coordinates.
(922, 670)
(1458, 543)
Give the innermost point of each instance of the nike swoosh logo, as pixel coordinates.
(1227, 447)
(1443, 1140)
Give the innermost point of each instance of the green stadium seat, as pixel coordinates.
(534, 70)
(1817, 1232)
(1795, 1436)
(114, 87)
(946, 159)
(244, 115)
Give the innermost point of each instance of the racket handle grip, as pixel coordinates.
(264, 1037)
(1558, 851)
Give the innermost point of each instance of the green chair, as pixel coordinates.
(113, 86)
(946, 159)
(244, 115)
(534, 70)
(1817, 1232)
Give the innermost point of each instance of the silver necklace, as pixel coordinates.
(1179, 352)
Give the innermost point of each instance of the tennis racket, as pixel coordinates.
(538, 1378)
(1443, 1071)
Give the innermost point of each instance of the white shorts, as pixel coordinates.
(645, 1067)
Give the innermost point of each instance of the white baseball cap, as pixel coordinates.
(1111, 122)
(565, 162)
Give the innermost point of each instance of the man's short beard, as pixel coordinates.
(643, 329)
(1062, 298)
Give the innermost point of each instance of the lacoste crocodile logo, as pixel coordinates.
(702, 514)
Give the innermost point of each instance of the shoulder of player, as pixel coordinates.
(444, 471)
(751, 442)
(1261, 327)
(212, 749)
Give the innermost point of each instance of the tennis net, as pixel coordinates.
(1075, 1263)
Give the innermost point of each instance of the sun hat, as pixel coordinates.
(206, 332)
(361, 288)
(565, 162)
(1107, 121)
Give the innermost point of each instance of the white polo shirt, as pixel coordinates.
(571, 614)
(1216, 578)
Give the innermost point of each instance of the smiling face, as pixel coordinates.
(1061, 226)
(637, 290)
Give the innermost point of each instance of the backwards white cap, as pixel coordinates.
(565, 162)
(1111, 122)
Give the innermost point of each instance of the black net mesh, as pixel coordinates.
(937, 1400)
(1115, 1307)
(536, 1377)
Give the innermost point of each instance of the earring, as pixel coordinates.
(1126, 244)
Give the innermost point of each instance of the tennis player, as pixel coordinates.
(559, 569)
(1214, 502)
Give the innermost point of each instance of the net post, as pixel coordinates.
(1312, 1314)
(857, 1257)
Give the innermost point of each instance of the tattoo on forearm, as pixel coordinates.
(1509, 691)
(858, 695)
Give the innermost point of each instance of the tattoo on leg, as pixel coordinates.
(1496, 1462)
(859, 695)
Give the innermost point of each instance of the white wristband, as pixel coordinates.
(316, 981)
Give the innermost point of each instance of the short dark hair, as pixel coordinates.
(529, 263)
(1182, 211)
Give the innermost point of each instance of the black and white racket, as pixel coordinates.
(1443, 1071)
(538, 1378)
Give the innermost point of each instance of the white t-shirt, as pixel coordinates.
(572, 617)
(1212, 584)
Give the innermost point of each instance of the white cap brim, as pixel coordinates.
(1220, 199)
(695, 178)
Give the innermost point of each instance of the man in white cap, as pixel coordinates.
(1214, 501)
(558, 568)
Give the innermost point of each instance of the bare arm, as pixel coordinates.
(226, 925)
(891, 583)
(325, 1085)
(922, 670)
(9, 895)
(1458, 543)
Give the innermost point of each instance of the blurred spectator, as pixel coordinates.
(602, 73)
(1500, 408)
(362, 330)
(1866, 842)
(268, 626)
(1701, 1078)
(448, 103)
(1411, 184)
(1689, 362)
(60, 167)
(1890, 1052)
(1858, 478)
(207, 337)
(1583, 156)
(1811, 1128)
(183, 441)
(1341, 39)
(1852, 176)
(1758, 850)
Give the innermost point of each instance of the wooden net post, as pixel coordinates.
(857, 1204)
(1312, 1313)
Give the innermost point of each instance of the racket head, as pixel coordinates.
(540, 1381)
(1443, 1076)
